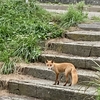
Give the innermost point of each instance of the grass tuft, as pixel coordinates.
(74, 16)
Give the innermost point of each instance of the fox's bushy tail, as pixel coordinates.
(74, 76)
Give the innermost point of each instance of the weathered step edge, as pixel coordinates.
(83, 35)
(65, 7)
(84, 49)
(79, 62)
(45, 91)
(86, 77)
(5, 95)
(89, 27)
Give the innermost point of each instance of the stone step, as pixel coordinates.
(83, 35)
(79, 48)
(4, 90)
(65, 7)
(60, 2)
(44, 90)
(40, 70)
(79, 62)
(91, 26)
(5, 95)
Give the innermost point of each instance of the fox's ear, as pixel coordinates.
(46, 61)
(51, 61)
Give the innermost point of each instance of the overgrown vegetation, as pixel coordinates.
(8, 67)
(94, 18)
(80, 6)
(97, 81)
(74, 15)
(23, 25)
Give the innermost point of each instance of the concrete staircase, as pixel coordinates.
(78, 47)
(61, 8)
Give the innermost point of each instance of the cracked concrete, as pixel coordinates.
(83, 35)
(91, 26)
(45, 90)
(79, 62)
(79, 48)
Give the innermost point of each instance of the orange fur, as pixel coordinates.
(68, 68)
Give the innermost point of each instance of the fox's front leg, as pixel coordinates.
(56, 81)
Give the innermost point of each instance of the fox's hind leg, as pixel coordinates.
(67, 72)
(70, 77)
(66, 81)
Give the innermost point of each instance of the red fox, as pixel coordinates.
(68, 68)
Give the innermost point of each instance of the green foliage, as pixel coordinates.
(80, 6)
(98, 97)
(74, 16)
(22, 26)
(95, 18)
(21, 18)
(27, 47)
(8, 67)
(97, 80)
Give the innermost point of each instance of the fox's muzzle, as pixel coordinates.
(50, 68)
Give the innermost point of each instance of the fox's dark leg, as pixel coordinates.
(70, 80)
(66, 81)
(70, 84)
(56, 81)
